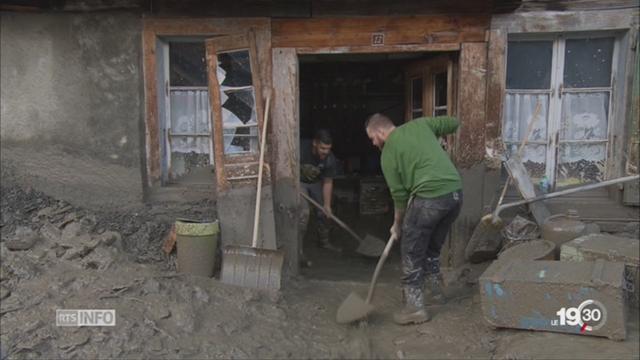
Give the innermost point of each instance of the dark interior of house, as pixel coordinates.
(338, 93)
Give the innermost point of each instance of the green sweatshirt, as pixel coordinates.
(414, 163)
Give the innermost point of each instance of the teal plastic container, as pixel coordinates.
(197, 243)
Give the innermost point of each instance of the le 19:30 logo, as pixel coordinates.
(590, 315)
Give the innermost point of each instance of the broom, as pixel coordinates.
(489, 226)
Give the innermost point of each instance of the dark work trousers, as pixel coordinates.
(424, 231)
(314, 190)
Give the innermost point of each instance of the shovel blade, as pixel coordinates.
(371, 246)
(251, 267)
(353, 308)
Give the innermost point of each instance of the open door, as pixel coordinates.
(237, 118)
(236, 108)
(429, 90)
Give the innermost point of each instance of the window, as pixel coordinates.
(569, 79)
(184, 107)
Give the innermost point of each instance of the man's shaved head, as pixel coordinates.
(378, 128)
(378, 122)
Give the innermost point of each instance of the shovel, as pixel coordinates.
(369, 246)
(252, 266)
(494, 219)
(353, 307)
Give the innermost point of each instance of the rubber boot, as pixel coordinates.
(414, 311)
(434, 293)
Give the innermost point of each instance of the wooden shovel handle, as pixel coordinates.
(333, 217)
(256, 218)
(376, 273)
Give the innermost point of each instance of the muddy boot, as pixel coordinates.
(414, 311)
(433, 290)
(323, 239)
(325, 244)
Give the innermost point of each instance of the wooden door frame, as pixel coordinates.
(286, 128)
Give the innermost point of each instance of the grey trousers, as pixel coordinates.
(314, 191)
(424, 231)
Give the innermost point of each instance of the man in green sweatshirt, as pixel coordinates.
(427, 192)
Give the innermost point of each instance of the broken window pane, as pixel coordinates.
(241, 140)
(584, 116)
(529, 64)
(518, 112)
(580, 163)
(587, 62)
(236, 68)
(187, 64)
(534, 158)
(238, 107)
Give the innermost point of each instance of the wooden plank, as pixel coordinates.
(378, 49)
(216, 116)
(322, 8)
(398, 30)
(471, 104)
(237, 8)
(154, 171)
(203, 26)
(285, 146)
(522, 180)
(580, 5)
(549, 21)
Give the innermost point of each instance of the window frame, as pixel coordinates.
(557, 90)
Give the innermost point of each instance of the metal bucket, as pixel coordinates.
(197, 243)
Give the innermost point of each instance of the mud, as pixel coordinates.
(85, 259)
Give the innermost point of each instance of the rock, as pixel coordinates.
(99, 259)
(4, 292)
(185, 318)
(151, 286)
(72, 230)
(50, 232)
(163, 313)
(24, 239)
(46, 212)
(109, 238)
(200, 294)
(71, 341)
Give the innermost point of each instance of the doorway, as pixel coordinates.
(338, 93)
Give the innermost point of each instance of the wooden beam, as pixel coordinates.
(378, 49)
(555, 21)
(471, 104)
(406, 7)
(496, 79)
(285, 145)
(154, 170)
(398, 30)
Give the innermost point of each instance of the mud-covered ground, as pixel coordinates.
(59, 256)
